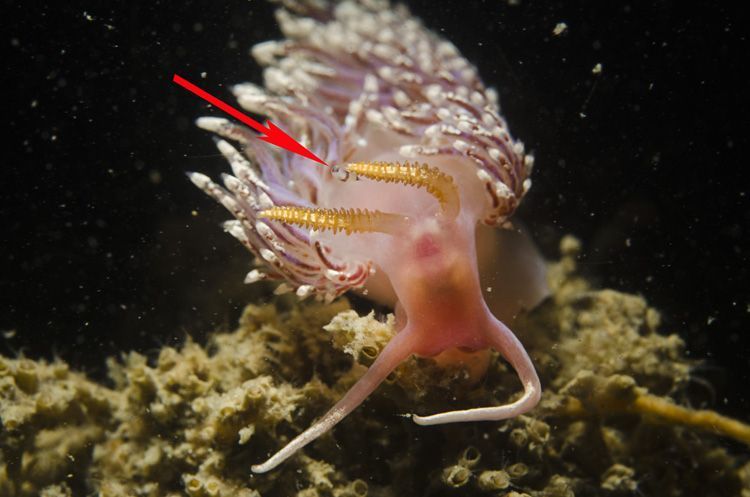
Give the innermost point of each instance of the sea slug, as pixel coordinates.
(420, 157)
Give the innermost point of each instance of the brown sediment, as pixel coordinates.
(613, 419)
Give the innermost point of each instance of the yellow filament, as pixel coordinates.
(437, 183)
(666, 411)
(346, 220)
(703, 419)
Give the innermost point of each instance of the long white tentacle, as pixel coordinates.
(505, 342)
(398, 349)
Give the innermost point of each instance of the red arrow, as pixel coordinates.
(271, 134)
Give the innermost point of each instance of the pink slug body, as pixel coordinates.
(421, 157)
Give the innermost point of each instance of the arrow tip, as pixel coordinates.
(276, 136)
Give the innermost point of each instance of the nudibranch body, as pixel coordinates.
(420, 157)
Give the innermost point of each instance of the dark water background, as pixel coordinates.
(646, 163)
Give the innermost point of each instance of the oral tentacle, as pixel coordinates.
(397, 350)
(503, 340)
(437, 183)
(347, 220)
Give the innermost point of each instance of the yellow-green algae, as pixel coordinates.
(191, 421)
